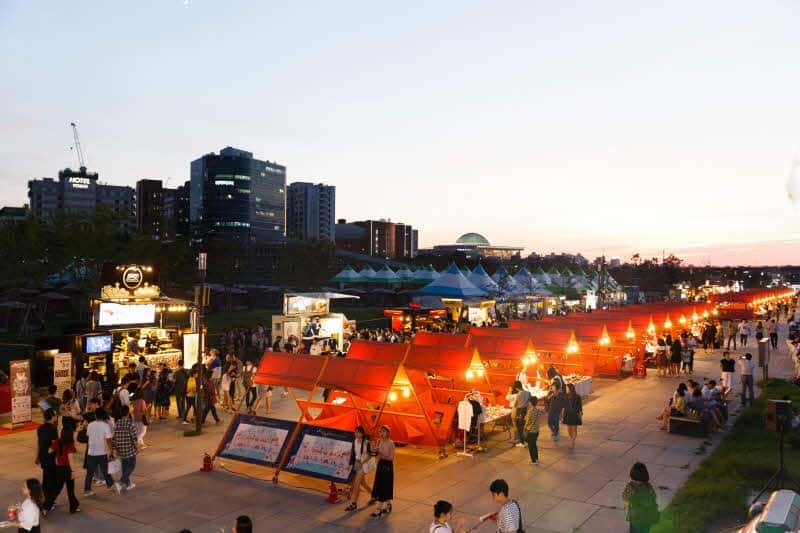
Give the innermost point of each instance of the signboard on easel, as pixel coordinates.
(256, 440)
(20, 391)
(62, 372)
(322, 453)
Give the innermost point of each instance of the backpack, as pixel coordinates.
(520, 528)
(643, 507)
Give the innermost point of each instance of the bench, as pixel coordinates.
(686, 426)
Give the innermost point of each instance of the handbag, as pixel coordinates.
(370, 465)
(82, 436)
(115, 466)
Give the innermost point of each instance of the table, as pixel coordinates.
(497, 414)
(583, 386)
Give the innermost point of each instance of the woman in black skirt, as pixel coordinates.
(383, 487)
(573, 413)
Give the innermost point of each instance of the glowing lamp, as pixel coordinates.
(530, 358)
(705, 313)
(470, 374)
(695, 316)
(392, 396)
(682, 320)
(667, 323)
(572, 345)
(406, 392)
(630, 333)
(715, 312)
(479, 372)
(651, 327)
(605, 339)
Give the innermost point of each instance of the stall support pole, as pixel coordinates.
(198, 415)
(465, 453)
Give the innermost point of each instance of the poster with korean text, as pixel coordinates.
(62, 372)
(257, 440)
(322, 453)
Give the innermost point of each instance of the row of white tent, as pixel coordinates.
(539, 282)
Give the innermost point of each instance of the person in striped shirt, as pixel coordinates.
(509, 517)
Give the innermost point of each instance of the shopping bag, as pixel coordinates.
(115, 466)
(369, 466)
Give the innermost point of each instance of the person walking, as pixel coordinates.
(573, 414)
(124, 442)
(675, 351)
(360, 455)
(641, 508)
(772, 329)
(263, 394)
(249, 386)
(45, 459)
(509, 516)
(521, 403)
(63, 447)
(744, 332)
(759, 330)
(731, 331)
(163, 391)
(747, 367)
(532, 418)
(139, 415)
(30, 510)
(556, 403)
(209, 399)
(727, 366)
(80, 390)
(70, 410)
(191, 396)
(383, 486)
(99, 433)
(94, 389)
(180, 378)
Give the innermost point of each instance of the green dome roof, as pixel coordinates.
(472, 238)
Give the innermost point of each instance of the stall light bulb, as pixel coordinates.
(406, 392)
(715, 312)
(604, 340)
(668, 324)
(705, 314)
(480, 372)
(470, 374)
(694, 316)
(392, 396)
(572, 347)
(682, 320)
(630, 334)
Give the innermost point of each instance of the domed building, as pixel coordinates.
(474, 245)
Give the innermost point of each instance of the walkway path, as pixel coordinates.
(571, 491)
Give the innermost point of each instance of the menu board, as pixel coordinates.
(256, 440)
(62, 372)
(302, 305)
(20, 391)
(322, 453)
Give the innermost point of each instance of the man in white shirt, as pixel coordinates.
(744, 332)
(99, 433)
(747, 366)
(124, 395)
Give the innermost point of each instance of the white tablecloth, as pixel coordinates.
(584, 386)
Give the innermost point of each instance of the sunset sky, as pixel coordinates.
(590, 127)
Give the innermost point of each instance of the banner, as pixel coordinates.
(256, 440)
(322, 453)
(62, 372)
(20, 391)
(191, 349)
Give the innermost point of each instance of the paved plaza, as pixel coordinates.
(570, 491)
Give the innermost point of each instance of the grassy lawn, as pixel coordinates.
(719, 491)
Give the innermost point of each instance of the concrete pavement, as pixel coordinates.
(571, 491)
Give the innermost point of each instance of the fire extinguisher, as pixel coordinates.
(208, 463)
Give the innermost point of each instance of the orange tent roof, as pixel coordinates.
(458, 340)
(289, 370)
(390, 352)
(371, 380)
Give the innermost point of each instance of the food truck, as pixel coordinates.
(307, 316)
(415, 317)
(132, 319)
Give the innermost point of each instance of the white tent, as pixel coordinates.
(481, 279)
(452, 284)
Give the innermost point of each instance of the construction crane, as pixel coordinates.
(77, 147)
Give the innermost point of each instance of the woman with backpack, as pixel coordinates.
(640, 500)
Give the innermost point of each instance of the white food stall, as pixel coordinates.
(307, 316)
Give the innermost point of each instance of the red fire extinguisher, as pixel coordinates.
(333, 493)
(208, 463)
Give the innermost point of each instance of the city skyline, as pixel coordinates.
(535, 126)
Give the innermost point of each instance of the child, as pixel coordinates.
(640, 500)
(442, 513)
(30, 509)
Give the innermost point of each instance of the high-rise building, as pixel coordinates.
(79, 192)
(234, 195)
(14, 214)
(380, 238)
(150, 208)
(311, 211)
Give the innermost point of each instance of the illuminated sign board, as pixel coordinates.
(79, 183)
(113, 314)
